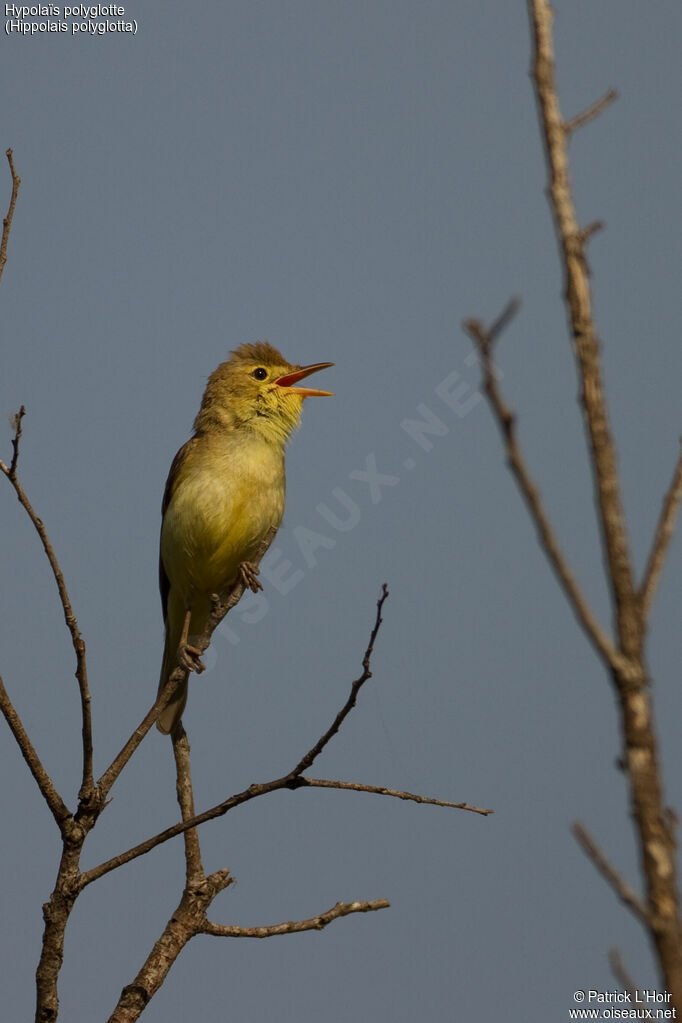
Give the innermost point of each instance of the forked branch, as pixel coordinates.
(484, 339)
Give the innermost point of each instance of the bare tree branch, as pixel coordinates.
(484, 340)
(294, 779)
(610, 874)
(286, 781)
(586, 343)
(16, 425)
(662, 537)
(379, 790)
(629, 674)
(87, 785)
(7, 221)
(58, 808)
(315, 923)
(194, 868)
(594, 110)
(189, 918)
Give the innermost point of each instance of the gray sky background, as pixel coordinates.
(349, 181)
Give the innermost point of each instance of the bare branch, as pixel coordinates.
(194, 869)
(16, 426)
(86, 789)
(189, 918)
(287, 781)
(58, 808)
(499, 325)
(629, 673)
(379, 790)
(292, 780)
(7, 221)
(506, 420)
(315, 923)
(586, 343)
(591, 229)
(610, 874)
(662, 537)
(594, 110)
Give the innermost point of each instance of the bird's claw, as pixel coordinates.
(248, 575)
(189, 657)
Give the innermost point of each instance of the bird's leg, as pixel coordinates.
(189, 656)
(248, 576)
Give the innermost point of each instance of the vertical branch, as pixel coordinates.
(7, 221)
(194, 871)
(579, 307)
(628, 670)
(56, 913)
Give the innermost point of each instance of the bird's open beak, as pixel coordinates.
(289, 379)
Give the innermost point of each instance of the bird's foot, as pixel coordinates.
(189, 657)
(248, 575)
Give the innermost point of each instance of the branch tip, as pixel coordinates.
(591, 112)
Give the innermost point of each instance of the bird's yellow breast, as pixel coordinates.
(229, 492)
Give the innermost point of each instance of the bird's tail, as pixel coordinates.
(172, 712)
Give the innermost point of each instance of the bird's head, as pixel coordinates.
(256, 389)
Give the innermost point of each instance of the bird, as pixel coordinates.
(224, 493)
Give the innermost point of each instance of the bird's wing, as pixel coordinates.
(171, 483)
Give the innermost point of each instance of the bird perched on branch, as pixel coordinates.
(224, 492)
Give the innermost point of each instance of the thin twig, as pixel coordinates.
(594, 110)
(87, 786)
(7, 221)
(591, 229)
(16, 425)
(610, 874)
(315, 923)
(58, 808)
(287, 781)
(662, 537)
(379, 790)
(506, 420)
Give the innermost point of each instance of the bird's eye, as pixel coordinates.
(260, 373)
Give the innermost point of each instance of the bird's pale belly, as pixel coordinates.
(211, 527)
